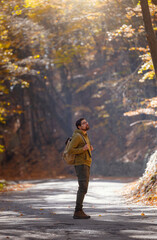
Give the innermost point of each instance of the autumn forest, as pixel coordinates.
(64, 59)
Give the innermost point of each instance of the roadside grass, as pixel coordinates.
(8, 187)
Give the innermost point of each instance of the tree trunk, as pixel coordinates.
(67, 96)
(150, 33)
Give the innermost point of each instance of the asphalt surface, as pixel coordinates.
(45, 212)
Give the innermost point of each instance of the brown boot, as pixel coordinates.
(80, 215)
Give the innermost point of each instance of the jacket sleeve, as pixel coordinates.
(73, 146)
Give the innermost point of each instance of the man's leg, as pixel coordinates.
(82, 172)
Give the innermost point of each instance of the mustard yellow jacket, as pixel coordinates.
(76, 147)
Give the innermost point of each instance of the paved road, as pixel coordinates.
(45, 212)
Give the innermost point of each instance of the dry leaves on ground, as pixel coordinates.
(16, 187)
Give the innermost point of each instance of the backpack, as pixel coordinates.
(70, 158)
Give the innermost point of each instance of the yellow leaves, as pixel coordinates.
(36, 56)
(106, 115)
(125, 30)
(141, 49)
(25, 84)
(142, 214)
(103, 114)
(2, 148)
(35, 3)
(84, 86)
(142, 102)
(149, 75)
(130, 14)
(3, 114)
(3, 89)
(147, 111)
(149, 2)
(5, 45)
(141, 29)
(6, 103)
(16, 187)
(17, 10)
(15, 67)
(151, 102)
(5, 110)
(2, 185)
(2, 120)
(147, 67)
(31, 3)
(16, 7)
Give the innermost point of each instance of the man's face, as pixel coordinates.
(84, 125)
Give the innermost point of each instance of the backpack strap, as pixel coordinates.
(85, 143)
(82, 138)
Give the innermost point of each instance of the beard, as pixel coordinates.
(87, 127)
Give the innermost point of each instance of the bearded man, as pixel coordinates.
(81, 147)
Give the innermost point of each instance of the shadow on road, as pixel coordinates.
(45, 212)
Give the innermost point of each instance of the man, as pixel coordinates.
(80, 145)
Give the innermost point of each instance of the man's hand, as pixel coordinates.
(86, 147)
(91, 148)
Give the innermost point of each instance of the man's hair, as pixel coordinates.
(78, 122)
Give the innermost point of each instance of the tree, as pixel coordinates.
(145, 189)
(151, 37)
(66, 61)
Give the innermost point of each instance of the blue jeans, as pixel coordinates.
(83, 173)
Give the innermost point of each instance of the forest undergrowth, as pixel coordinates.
(144, 190)
(9, 187)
